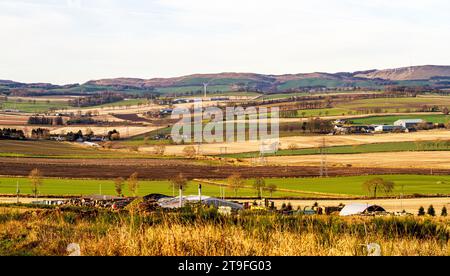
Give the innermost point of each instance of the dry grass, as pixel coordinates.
(432, 159)
(48, 232)
(315, 141)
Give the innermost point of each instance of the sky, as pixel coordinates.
(73, 41)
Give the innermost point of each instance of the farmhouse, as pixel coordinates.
(408, 123)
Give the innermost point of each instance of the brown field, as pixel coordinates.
(165, 169)
(118, 109)
(131, 109)
(132, 117)
(315, 141)
(431, 160)
(125, 131)
(13, 119)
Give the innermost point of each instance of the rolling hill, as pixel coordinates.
(426, 72)
(437, 77)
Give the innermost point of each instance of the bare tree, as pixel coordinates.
(35, 177)
(376, 184)
(159, 149)
(259, 185)
(271, 188)
(235, 182)
(118, 185)
(179, 182)
(189, 151)
(133, 183)
(293, 146)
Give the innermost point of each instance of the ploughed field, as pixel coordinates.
(166, 169)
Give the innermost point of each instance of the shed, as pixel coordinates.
(408, 123)
(173, 203)
(360, 208)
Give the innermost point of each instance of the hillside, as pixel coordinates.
(436, 77)
(408, 73)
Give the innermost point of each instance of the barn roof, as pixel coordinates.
(172, 203)
(359, 208)
(410, 121)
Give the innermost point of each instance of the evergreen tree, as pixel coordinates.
(431, 211)
(421, 211)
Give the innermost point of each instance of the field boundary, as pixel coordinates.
(278, 189)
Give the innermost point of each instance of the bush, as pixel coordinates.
(431, 211)
(444, 212)
(292, 146)
(421, 211)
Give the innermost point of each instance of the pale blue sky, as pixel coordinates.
(67, 41)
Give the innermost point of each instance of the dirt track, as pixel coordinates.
(166, 169)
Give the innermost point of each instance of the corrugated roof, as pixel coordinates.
(410, 121)
(172, 203)
(358, 208)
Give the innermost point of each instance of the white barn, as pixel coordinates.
(408, 123)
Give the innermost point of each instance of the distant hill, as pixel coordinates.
(408, 73)
(436, 77)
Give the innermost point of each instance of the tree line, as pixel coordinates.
(42, 120)
(12, 134)
(96, 99)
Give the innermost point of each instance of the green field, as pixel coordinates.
(389, 120)
(53, 186)
(365, 148)
(318, 82)
(198, 89)
(321, 112)
(296, 187)
(396, 104)
(283, 95)
(128, 102)
(409, 184)
(33, 107)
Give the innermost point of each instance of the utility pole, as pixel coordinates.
(401, 198)
(323, 161)
(17, 191)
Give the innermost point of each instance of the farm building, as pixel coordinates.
(360, 208)
(408, 123)
(173, 203)
(387, 128)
